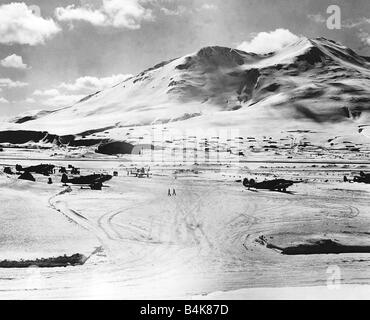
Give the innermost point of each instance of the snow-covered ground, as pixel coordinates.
(31, 229)
(199, 243)
(329, 292)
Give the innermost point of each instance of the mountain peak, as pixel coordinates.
(226, 82)
(219, 50)
(338, 52)
(221, 56)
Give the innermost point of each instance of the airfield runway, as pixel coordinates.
(210, 237)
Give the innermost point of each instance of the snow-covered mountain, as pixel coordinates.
(316, 85)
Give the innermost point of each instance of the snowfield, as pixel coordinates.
(32, 229)
(206, 240)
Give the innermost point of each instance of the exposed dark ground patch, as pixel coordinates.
(115, 147)
(54, 262)
(322, 246)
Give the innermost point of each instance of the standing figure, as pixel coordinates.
(169, 192)
(173, 192)
(64, 179)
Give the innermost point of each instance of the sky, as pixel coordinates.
(54, 52)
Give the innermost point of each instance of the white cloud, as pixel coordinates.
(46, 93)
(354, 23)
(364, 38)
(87, 14)
(67, 94)
(265, 42)
(92, 84)
(180, 10)
(27, 100)
(54, 98)
(20, 25)
(115, 13)
(318, 18)
(8, 83)
(13, 61)
(208, 6)
(349, 23)
(30, 100)
(3, 100)
(62, 100)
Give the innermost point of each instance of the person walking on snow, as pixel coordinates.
(169, 192)
(173, 192)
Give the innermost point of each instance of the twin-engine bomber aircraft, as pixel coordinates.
(273, 185)
(95, 181)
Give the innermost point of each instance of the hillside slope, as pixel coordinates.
(316, 85)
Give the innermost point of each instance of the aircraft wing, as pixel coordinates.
(283, 185)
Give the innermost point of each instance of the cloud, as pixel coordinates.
(20, 25)
(354, 23)
(208, 6)
(62, 100)
(30, 100)
(364, 38)
(92, 84)
(46, 93)
(265, 42)
(13, 61)
(87, 14)
(180, 10)
(8, 83)
(67, 94)
(318, 18)
(3, 100)
(54, 98)
(114, 13)
(349, 23)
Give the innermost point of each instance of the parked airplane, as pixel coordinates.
(275, 184)
(95, 181)
(363, 177)
(45, 169)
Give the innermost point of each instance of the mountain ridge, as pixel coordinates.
(312, 81)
